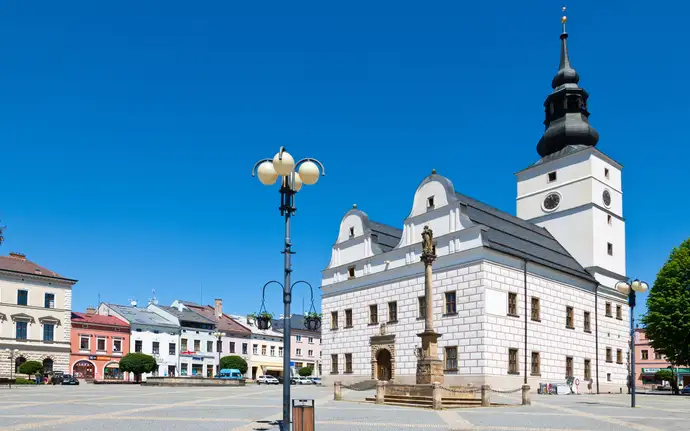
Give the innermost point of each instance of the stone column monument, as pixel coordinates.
(429, 367)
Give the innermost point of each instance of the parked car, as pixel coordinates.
(685, 390)
(267, 380)
(230, 373)
(303, 381)
(315, 380)
(68, 379)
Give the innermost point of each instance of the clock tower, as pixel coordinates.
(574, 190)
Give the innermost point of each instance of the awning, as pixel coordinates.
(271, 368)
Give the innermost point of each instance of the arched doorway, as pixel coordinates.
(383, 363)
(18, 363)
(47, 365)
(112, 371)
(83, 370)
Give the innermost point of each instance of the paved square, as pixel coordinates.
(113, 407)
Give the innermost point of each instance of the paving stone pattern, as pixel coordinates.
(106, 408)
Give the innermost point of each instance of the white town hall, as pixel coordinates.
(531, 295)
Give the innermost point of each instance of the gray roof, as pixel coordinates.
(515, 236)
(296, 322)
(387, 236)
(186, 315)
(141, 316)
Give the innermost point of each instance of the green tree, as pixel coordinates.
(30, 367)
(235, 362)
(668, 376)
(306, 371)
(138, 363)
(667, 322)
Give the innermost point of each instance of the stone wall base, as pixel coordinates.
(60, 359)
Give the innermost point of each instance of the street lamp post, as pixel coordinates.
(11, 353)
(631, 289)
(292, 177)
(219, 345)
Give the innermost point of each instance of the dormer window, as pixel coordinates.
(351, 272)
(552, 176)
(430, 203)
(352, 232)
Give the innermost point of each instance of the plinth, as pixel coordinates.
(429, 367)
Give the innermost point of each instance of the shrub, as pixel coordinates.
(138, 363)
(306, 371)
(25, 382)
(235, 362)
(30, 367)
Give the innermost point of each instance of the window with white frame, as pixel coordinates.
(117, 345)
(100, 344)
(310, 353)
(84, 342)
(299, 352)
(280, 352)
(298, 338)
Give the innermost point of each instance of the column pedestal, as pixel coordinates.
(429, 367)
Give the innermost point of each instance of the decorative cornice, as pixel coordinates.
(35, 307)
(9, 272)
(22, 318)
(50, 319)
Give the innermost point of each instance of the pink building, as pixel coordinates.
(648, 362)
(305, 345)
(98, 342)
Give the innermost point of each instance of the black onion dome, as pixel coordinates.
(567, 117)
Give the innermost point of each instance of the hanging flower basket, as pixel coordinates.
(312, 321)
(263, 320)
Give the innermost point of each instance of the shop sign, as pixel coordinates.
(93, 358)
(197, 358)
(188, 353)
(683, 370)
(650, 370)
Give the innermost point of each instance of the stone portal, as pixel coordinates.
(382, 356)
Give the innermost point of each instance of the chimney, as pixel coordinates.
(90, 310)
(218, 307)
(15, 255)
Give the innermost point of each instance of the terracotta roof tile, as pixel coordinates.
(17, 262)
(97, 319)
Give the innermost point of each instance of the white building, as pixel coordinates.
(265, 350)
(152, 333)
(237, 338)
(197, 352)
(35, 311)
(527, 298)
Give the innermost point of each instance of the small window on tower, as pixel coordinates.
(609, 248)
(609, 219)
(430, 202)
(351, 272)
(352, 232)
(552, 176)
(606, 172)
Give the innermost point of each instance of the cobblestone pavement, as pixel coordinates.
(112, 407)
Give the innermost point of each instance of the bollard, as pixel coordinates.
(437, 396)
(337, 391)
(486, 399)
(526, 397)
(380, 391)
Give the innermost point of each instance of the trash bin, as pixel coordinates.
(303, 415)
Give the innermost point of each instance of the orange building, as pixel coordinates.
(98, 342)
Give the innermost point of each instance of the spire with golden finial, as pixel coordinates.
(564, 20)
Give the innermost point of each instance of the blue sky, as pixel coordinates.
(129, 128)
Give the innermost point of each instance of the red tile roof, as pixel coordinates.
(224, 323)
(17, 262)
(97, 319)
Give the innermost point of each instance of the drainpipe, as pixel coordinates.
(525, 281)
(596, 332)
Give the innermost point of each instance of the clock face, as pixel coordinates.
(606, 196)
(551, 201)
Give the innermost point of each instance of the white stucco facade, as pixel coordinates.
(476, 262)
(265, 349)
(151, 333)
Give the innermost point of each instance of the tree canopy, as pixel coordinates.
(138, 363)
(30, 367)
(667, 322)
(235, 362)
(305, 371)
